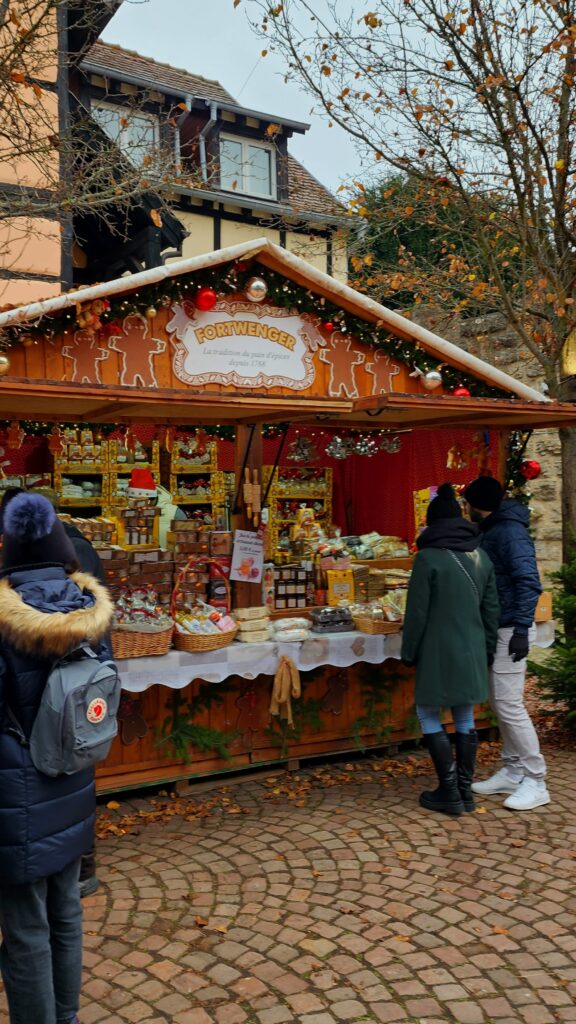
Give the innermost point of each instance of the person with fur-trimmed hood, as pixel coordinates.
(47, 608)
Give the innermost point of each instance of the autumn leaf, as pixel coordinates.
(273, 130)
(113, 805)
(480, 810)
(402, 938)
(500, 931)
(18, 77)
(200, 922)
(156, 218)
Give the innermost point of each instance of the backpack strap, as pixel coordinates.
(13, 728)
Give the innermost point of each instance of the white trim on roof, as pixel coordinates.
(285, 261)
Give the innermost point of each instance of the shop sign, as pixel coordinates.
(244, 345)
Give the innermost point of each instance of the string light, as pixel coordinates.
(232, 279)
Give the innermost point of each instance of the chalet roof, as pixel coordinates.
(292, 267)
(116, 61)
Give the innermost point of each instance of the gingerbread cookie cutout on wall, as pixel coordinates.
(137, 351)
(86, 353)
(383, 370)
(341, 359)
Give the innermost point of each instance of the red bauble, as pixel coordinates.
(205, 299)
(530, 469)
(461, 392)
(328, 326)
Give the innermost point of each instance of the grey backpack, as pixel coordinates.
(76, 720)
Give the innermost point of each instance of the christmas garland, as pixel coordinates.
(234, 279)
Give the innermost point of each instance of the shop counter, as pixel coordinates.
(356, 694)
(248, 661)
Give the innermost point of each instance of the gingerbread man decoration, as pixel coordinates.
(333, 699)
(133, 725)
(341, 359)
(86, 354)
(138, 351)
(383, 370)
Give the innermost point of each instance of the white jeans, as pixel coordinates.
(520, 746)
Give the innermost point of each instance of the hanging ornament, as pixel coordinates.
(338, 448)
(15, 435)
(328, 327)
(169, 439)
(391, 445)
(129, 440)
(256, 289)
(26, 341)
(242, 265)
(461, 392)
(151, 312)
(530, 469)
(205, 299)
(432, 380)
(4, 365)
(366, 446)
(56, 442)
(302, 449)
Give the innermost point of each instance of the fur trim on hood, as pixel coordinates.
(53, 634)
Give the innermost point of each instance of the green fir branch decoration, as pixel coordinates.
(181, 733)
(377, 685)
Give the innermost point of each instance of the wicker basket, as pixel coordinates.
(366, 624)
(200, 642)
(134, 642)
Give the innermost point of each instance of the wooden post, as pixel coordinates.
(246, 595)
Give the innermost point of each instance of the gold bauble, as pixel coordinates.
(4, 365)
(151, 312)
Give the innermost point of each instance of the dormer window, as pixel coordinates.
(247, 167)
(136, 133)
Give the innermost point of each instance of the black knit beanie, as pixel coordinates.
(444, 505)
(485, 494)
(33, 534)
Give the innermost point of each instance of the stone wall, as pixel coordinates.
(491, 339)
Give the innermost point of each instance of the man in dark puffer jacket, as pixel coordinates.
(46, 824)
(507, 542)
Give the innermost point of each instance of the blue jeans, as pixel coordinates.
(429, 718)
(41, 953)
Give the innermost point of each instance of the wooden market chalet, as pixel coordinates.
(257, 348)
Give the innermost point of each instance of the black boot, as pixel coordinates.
(466, 746)
(447, 797)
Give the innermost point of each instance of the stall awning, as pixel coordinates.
(42, 386)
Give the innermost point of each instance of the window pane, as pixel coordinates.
(137, 137)
(258, 173)
(136, 134)
(109, 120)
(231, 164)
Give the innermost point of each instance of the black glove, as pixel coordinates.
(408, 664)
(490, 660)
(518, 647)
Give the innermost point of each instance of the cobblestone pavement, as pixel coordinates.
(341, 902)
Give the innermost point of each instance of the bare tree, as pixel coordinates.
(57, 161)
(475, 102)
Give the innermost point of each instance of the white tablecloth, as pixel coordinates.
(177, 669)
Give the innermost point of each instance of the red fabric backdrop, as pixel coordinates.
(369, 493)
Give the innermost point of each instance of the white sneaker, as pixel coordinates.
(530, 793)
(501, 782)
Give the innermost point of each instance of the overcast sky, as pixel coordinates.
(210, 38)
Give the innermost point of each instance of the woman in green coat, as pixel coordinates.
(450, 634)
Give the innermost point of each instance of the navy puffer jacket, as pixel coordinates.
(45, 823)
(507, 542)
